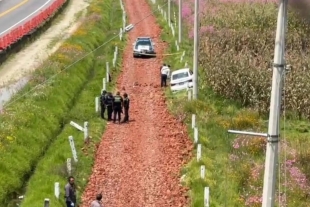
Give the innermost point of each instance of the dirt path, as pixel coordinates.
(30, 58)
(138, 164)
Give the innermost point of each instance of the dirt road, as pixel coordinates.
(138, 164)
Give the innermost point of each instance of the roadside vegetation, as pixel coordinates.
(236, 55)
(34, 128)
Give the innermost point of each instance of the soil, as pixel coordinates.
(138, 163)
(19, 65)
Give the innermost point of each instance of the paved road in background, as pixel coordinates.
(14, 13)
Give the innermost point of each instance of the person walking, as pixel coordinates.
(102, 103)
(126, 107)
(117, 107)
(70, 192)
(165, 72)
(97, 202)
(109, 105)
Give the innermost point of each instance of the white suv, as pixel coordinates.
(143, 46)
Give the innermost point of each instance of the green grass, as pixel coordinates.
(52, 168)
(34, 130)
(231, 181)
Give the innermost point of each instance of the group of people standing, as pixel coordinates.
(165, 73)
(114, 104)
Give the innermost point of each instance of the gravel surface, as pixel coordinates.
(138, 164)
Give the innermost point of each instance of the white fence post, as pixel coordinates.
(57, 190)
(75, 125)
(202, 171)
(97, 104)
(69, 167)
(46, 202)
(177, 45)
(206, 197)
(115, 56)
(175, 19)
(189, 94)
(124, 20)
(172, 30)
(85, 130)
(71, 141)
(193, 120)
(120, 34)
(182, 56)
(198, 152)
(195, 134)
(104, 84)
(108, 72)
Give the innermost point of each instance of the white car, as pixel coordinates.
(181, 79)
(143, 47)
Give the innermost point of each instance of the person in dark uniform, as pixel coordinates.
(102, 103)
(109, 105)
(126, 107)
(117, 106)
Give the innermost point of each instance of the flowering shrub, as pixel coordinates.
(247, 151)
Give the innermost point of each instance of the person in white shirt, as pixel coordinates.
(97, 202)
(165, 72)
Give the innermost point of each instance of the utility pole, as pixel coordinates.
(169, 12)
(180, 21)
(273, 135)
(196, 45)
(271, 162)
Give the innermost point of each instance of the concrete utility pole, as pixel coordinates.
(271, 162)
(196, 46)
(273, 135)
(169, 12)
(180, 21)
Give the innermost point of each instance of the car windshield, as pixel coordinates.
(143, 43)
(179, 75)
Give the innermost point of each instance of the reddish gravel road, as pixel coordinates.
(138, 164)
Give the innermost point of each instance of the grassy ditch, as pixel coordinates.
(38, 121)
(52, 168)
(235, 164)
(24, 41)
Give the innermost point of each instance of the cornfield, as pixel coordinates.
(237, 54)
